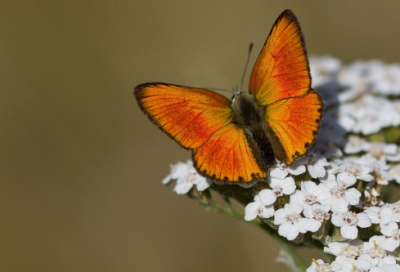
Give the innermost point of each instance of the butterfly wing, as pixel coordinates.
(201, 120)
(281, 70)
(295, 123)
(281, 82)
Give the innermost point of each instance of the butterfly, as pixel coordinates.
(239, 140)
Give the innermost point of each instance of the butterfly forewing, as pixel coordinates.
(189, 115)
(281, 70)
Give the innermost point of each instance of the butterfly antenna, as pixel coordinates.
(247, 63)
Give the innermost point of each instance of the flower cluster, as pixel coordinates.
(358, 256)
(338, 192)
(186, 177)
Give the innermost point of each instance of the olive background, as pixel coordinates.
(81, 166)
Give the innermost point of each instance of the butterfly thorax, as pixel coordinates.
(250, 116)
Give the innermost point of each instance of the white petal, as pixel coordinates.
(347, 179)
(183, 187)
(288, 186)
(378, 239)
(316, 171)
(167, 179)
(376, 269)
(349, 232)
(396, 217)
(308, 186)
(279, 217)
(288, 230)
(389, 228)
(293, 208)
(308, 211)
(339, 205)
(390, 149)
(276, 183)
(312, 225)
(268, 212)
(366, 257)
(337, 220)
(250, 211)
(297, 197)
(300, 225)
(373, 213)
(180, 170)
(324, 198)
(390, 244)
(314, 189)
(278, 173)
(297, 170)
(352, 195)
(202, 184)
(327, 185)
(267, 197)
(387, 260)
(363, 265)
(363, 220)
(386, 215)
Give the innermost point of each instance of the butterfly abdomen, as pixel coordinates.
(249, 116)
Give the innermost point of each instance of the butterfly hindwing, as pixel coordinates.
(201, 120)
(281, 70)
(295, 123)
(227, 156)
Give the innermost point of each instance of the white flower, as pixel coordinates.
(307, 197)
(374, 214)
(382, 151)
(349, 250)
(392, 231)
(379, 168)
(390, 213)
(368, 115)
(323, 69)
(373, 252)
(317, 215)
(320, 266)
(279, 187)
(348, 223)
(352, 265)
(355, 169)
(386, 268)
(355, 145)
(316, 165)
(281, 169)
(290, 222)
(336, 194)
(186, 176)
(385, 79)
(256, 208)
(353, 75)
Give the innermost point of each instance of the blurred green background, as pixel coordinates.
(81, 166)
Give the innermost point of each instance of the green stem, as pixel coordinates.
(288, 253)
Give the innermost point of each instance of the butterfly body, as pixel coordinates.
(238, 141)
(250, 116)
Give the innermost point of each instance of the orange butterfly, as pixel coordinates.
(238, 141)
